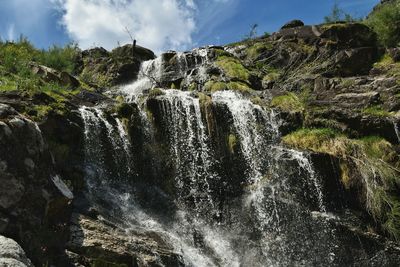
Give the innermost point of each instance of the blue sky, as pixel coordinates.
(158, 24)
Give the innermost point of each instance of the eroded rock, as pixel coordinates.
(12, 255)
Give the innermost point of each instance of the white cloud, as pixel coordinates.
(156, 24)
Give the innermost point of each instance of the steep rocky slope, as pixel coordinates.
(328, 90)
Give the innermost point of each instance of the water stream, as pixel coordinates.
(267, 220)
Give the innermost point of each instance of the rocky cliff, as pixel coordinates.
(286, 144)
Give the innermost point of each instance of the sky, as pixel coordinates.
(158, 24)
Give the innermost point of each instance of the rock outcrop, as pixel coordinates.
(34, 201)
(12, 255)
(101, 68)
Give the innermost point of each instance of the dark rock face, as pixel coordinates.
(293, 24)
(33, 198)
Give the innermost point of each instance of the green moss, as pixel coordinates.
(377, 111)
(347, 83)
(238, 86)
(221, 52)
(257, 49)
(386, 64)
(233, 68)
(192, 87)
(288, 102)
(232, 143)
(173, 86)
(156, 92)
(204, 99)
(124, 110)
(318, 140)
(212, 86)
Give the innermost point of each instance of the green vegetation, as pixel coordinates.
(233, 68)
(16, 56)
(377, 111)
(257, 49)
(337, 14)
(232, 143)
(385, 21)
(156, 92)
(386, 64)
(370, 163)
(288, 102)
(16, 73)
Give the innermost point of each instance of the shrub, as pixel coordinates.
(60, 58)
(385, 21)
(15, 56)
(338, 14)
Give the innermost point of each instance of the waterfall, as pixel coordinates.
(127, 212)
(254, 127)
(149, 74)
(189, 146)
(396, 130)
(264, 216)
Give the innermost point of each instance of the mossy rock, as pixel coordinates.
(156, 92)
(124, 110)
(289, 102)
(232, 143)
(233, 68)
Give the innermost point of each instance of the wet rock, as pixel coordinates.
(98, 241)
(12, 255)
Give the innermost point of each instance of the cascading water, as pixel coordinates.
(265, 217)
(189, 148)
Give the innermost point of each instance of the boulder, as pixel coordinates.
(12, 255)
(348, 35)
(293, 24)
(394, 53)
(50, 75)
(101, 68)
